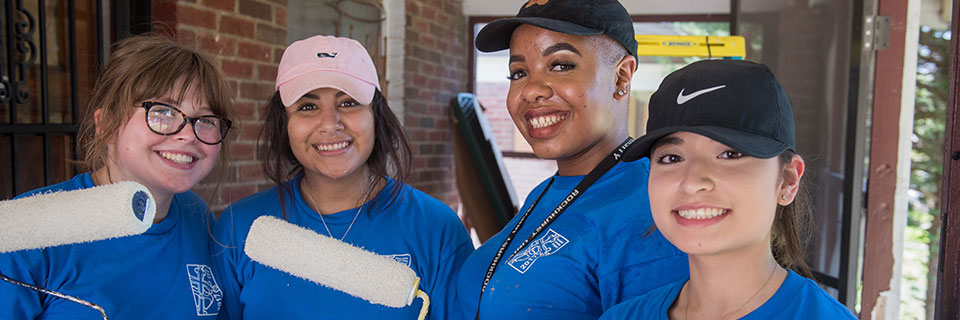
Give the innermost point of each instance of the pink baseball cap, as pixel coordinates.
(326, 62)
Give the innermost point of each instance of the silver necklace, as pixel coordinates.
(686, 310)
(325, 222)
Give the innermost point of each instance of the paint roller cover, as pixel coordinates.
(66, 217)
(330, 262)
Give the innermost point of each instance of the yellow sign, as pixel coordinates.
(691, 46)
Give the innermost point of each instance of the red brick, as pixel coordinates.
(236, 26)
(216, 44)
(277, 54)
(419, 81)
(165, 12)
(245, 111)
(429, 13)
(233, 87)
(267, 72)
(256, 9)
(225, 5)
(197, 17)
(243, 151)
(437, 30)
(427, 96)
(253, 51)
(250, 130)
(250, 172)
(421, 25)
(230, 194)
(272, 35)
(419, 162)
(440, 135)
(238, 69)
(428, 41)
(280, 16)
(413, 9)
(434, 83)
(187, 38)
(428, 68)
(256, 91)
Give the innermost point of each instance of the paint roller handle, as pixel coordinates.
(56, 294)
(426, 304)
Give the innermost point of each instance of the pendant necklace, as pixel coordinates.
(325, 222)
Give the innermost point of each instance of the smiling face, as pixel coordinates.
(707, 198)
(563, 94)
(164, 164)
(330, 133)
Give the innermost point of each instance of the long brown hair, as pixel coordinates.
(390, 156)
(792, 226)
(144, 67)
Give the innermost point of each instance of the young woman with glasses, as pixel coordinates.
(158, 115)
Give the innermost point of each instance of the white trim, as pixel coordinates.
(395, 33)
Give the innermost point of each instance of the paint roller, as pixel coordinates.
(333, 263)
(76, 216)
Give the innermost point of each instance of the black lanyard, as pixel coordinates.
(598, 171)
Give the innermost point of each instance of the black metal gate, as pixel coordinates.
(50, 52)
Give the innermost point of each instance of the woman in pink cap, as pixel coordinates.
(338, 157)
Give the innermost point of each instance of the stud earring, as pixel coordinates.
(621, 92)
(784, 197)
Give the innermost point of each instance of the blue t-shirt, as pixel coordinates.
(590, 258)
(797, 298)
(164, 273)
(416, 230)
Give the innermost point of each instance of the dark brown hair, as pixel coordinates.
(140, 68)
(792, 228)
(390, 156)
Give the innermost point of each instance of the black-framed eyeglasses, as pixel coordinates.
(165, 119)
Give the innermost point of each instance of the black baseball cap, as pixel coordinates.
(576, 17)
(735, 102)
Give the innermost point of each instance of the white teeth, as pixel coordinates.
(545, 121)
(177, 157)
(701, 213)
(332, 147)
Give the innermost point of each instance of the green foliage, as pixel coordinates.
(922, 237)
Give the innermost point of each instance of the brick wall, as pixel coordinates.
(246, 38)
(493, 98)
(435, 70)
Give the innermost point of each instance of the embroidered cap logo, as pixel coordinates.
(681, 99)
(326, 54)
(537, 2)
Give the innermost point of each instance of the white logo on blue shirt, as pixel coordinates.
(546, 245)
(401, 258)
(206, 292)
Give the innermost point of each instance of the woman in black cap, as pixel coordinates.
(727, 177)
(577, 247)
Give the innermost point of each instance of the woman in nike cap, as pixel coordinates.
(728, 193)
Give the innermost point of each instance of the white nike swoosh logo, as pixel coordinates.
(681, 99)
